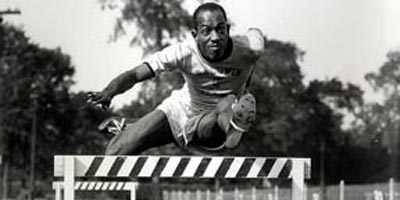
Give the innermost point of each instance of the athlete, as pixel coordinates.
(213, 108)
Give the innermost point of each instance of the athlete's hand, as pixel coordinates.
(101, 99)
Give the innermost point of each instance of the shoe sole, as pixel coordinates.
(115, 129)
(244, 113)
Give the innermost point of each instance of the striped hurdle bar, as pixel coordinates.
(58, 186)
(69, 167)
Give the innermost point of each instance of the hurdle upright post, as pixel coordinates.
(69, 178)
(341, 190)
(391, 189)
(58, 189)
(276, 192)
(298, 179)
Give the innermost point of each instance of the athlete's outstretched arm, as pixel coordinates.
(120, 84)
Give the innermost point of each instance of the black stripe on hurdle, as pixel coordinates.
(162, 162)
(245, 168)
(287, 168)
(181, 167)
(94, 166)
(138, 166)
(202, 167)
(116, 166)
(225, 166)
(266, 168)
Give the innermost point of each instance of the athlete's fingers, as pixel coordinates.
(91, 96)
(95, 97)
(98, 99)
(105, 105)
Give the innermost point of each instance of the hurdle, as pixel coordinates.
(58, 186)
(71, 167)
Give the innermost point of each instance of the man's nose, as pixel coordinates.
(215, 36)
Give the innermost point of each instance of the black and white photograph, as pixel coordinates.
(199, 100)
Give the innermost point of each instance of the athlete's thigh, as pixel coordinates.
(151, 130)
(158, 134)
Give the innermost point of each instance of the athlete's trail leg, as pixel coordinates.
(152, 130)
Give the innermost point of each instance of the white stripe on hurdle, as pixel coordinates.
(98, 186)
(235, 167)
(105, 186)
(84, 185)
(192, 166)
(171, 167)
(105, 166)
(149, 166)
(256, 167)
(277, 167)
(112, 185)
(120, 185)
(91, 186)
(213, 167)
(127, 166)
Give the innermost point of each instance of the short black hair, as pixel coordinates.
(207, 7)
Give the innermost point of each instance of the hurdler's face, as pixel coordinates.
(212, 35)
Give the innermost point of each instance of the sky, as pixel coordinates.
(342, 38)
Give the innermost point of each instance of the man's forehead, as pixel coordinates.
(208, 17)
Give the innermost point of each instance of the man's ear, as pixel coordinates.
(194, 32)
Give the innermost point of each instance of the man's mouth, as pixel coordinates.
(215, 47)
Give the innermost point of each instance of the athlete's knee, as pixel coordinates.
(121, 148)
(112, 150)
(114, 147)
(122, 144)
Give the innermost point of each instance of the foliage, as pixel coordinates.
(380, 121)
(35, 97)
(156, 21)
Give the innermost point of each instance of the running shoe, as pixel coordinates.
(244, 115)
(112, 125)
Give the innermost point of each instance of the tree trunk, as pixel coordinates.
(322, 169)
(394, 137)
(5, 166)
(33, 152)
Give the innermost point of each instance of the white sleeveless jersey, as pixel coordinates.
(206, 83)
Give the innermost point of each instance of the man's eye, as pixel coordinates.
(205, 31)
(221, 30)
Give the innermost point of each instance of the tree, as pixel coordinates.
(157, 22)
(382, 119)
(33, 82)
(37, 108)
(294, 119)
